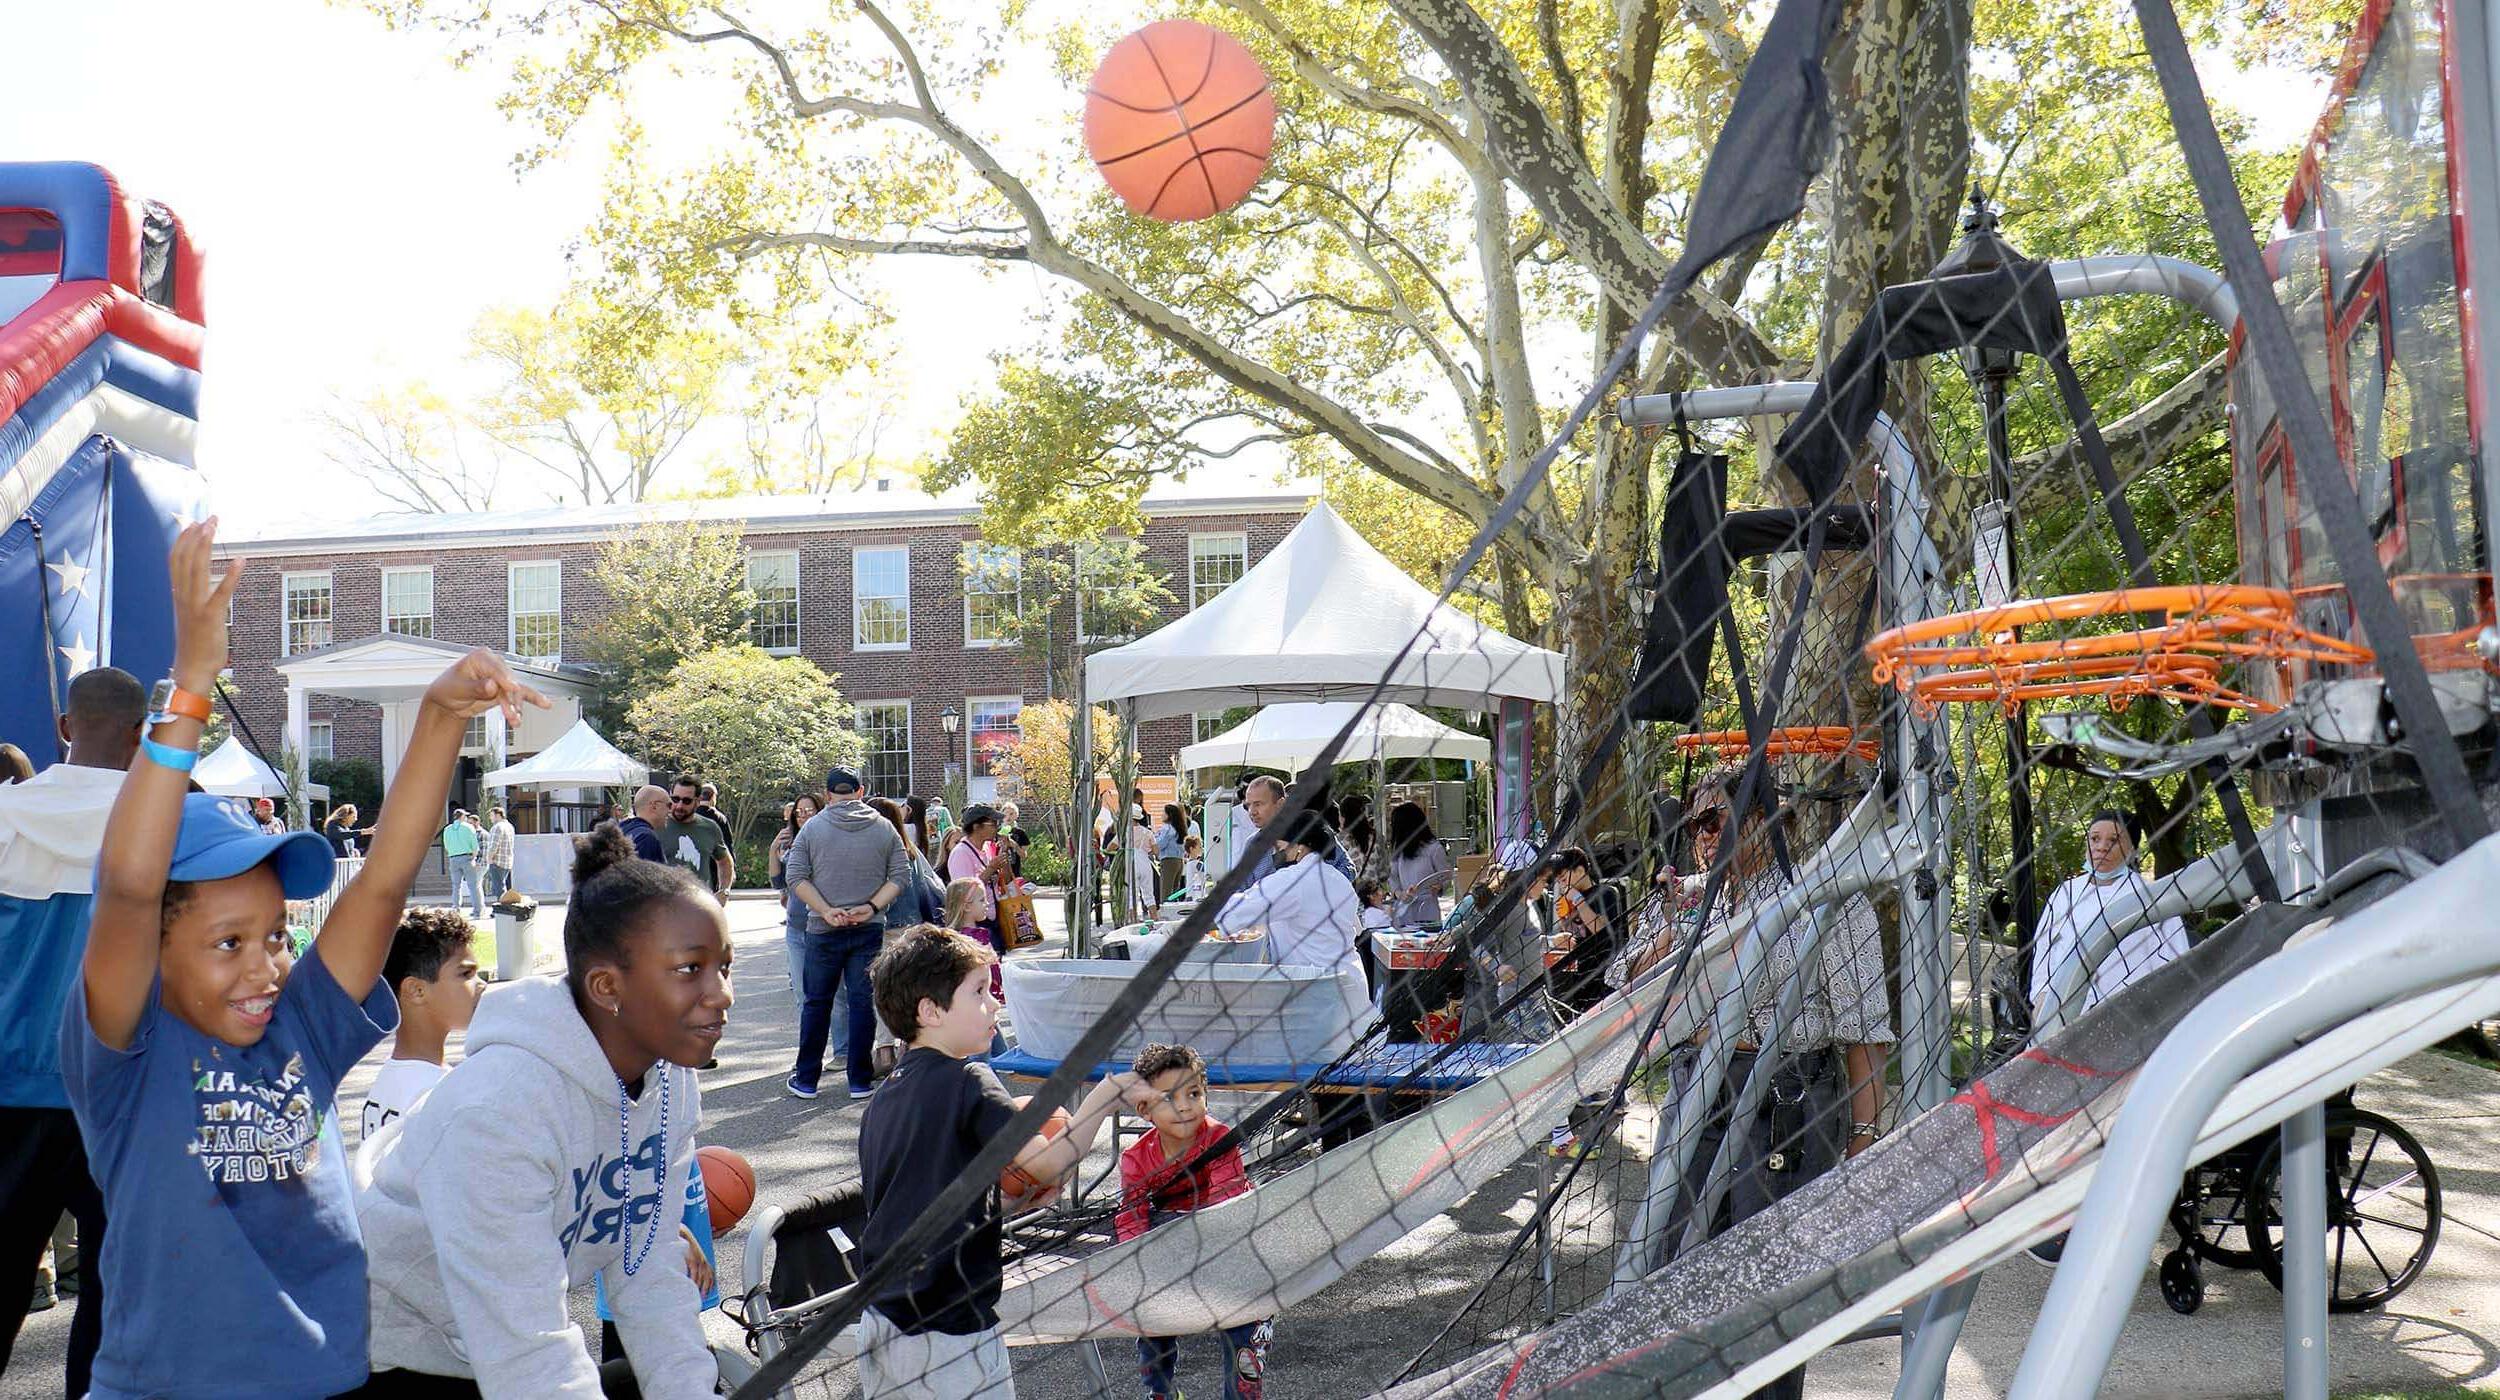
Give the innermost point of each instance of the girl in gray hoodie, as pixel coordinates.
(558, 1149)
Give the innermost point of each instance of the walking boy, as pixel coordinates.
(933, 1334)
(1180, 1167)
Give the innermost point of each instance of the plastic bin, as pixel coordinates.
(516, 939)
(1232, 1013)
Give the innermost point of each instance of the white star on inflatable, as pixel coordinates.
(79, 655)
(73, 579)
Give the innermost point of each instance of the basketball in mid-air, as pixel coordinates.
(1180, 120)
(728, 1185)
(1018, 1183)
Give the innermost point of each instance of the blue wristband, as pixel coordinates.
(167, 756)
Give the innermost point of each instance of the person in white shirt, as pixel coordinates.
(2110, 888)
(1307, 907)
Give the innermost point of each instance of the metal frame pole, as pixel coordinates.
(1927, 1340)
(2304, 1254)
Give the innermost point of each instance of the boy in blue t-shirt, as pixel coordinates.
(201, 1057)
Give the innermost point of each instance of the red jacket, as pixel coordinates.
(1151, 1183)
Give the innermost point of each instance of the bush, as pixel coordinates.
(1046, 864)
(755, 862)
(357, 780)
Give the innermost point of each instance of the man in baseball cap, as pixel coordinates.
(842, 784)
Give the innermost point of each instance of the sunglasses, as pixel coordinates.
(681, 802)
(1707, 821)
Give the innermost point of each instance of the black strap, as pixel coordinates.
(2321, 469)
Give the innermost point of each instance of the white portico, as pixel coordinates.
(392, 671)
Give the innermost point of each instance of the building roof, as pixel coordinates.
(884, 504)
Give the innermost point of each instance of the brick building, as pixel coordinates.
(336, 627)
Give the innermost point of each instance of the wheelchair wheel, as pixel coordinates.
(2382, 1210)
(2182, 1281)
(2211, 1213)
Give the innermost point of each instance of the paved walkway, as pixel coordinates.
(1357, 1333)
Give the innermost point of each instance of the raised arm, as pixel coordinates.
(121, 956)
(357, 936)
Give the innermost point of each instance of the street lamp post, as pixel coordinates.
(951, 720)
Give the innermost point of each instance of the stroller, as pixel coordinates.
(798, 1259)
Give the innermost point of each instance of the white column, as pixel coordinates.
(498, 741)
(394, 739)
(298, 720)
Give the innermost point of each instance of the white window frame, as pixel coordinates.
(1016, 596)
(286, 611)
(388, 616)
(868, 758)
(858, 628)
(972, 748)
(1076, 568)
(797, 614)
(321, 744)
(1239, 539)
(512, 609)
(1205, 725)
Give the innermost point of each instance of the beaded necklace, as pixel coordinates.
(633, 1258)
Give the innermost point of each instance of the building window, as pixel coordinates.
(1099, 619)
(1205, 725)
(881, 598)
(993, 594)
(774, 580)
(473, 738)
(408, 601)
(989, 727)
(307, 612)
(1216, 562)
(885, 726)
(536, 594)
(319, 745)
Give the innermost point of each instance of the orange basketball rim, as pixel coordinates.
(1803, 741)
(2206, 631)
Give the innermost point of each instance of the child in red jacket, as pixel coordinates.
(1167, 1172)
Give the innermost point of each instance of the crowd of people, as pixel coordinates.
(163, 1033)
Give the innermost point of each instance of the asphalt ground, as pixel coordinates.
(1355, 1335)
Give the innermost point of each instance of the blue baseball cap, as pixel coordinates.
(219, 839)
(842, 780)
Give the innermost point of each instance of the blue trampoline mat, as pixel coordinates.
(1379, 1067)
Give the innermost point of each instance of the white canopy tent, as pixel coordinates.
(231, 770)
(578, 759)
(1323, 617)
(1290, 737)
(542, 862)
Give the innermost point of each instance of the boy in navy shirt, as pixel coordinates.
(933, 1334)
(201, 1057)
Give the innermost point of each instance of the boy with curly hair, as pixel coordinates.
(433, 974)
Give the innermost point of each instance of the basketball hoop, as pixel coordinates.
(2206, 630)
(1810, 741)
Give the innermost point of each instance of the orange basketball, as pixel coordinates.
(1015, 1181)
(728, 1185)
(1179, 120)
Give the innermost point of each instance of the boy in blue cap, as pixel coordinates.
(201, 1057)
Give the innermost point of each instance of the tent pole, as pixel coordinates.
(1083, 870)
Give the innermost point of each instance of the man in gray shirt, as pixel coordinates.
(846, 865)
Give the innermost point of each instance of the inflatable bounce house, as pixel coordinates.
(100, 331)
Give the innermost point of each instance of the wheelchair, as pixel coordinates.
(2382, 1213)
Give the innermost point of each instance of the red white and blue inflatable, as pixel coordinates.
(100, 328)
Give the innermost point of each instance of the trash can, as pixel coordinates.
(516, 944)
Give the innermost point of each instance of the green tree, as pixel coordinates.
(673, 591)
(760, 726)
(1454, 182)
(1042, 764)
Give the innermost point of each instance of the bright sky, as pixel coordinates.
(359, 209)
